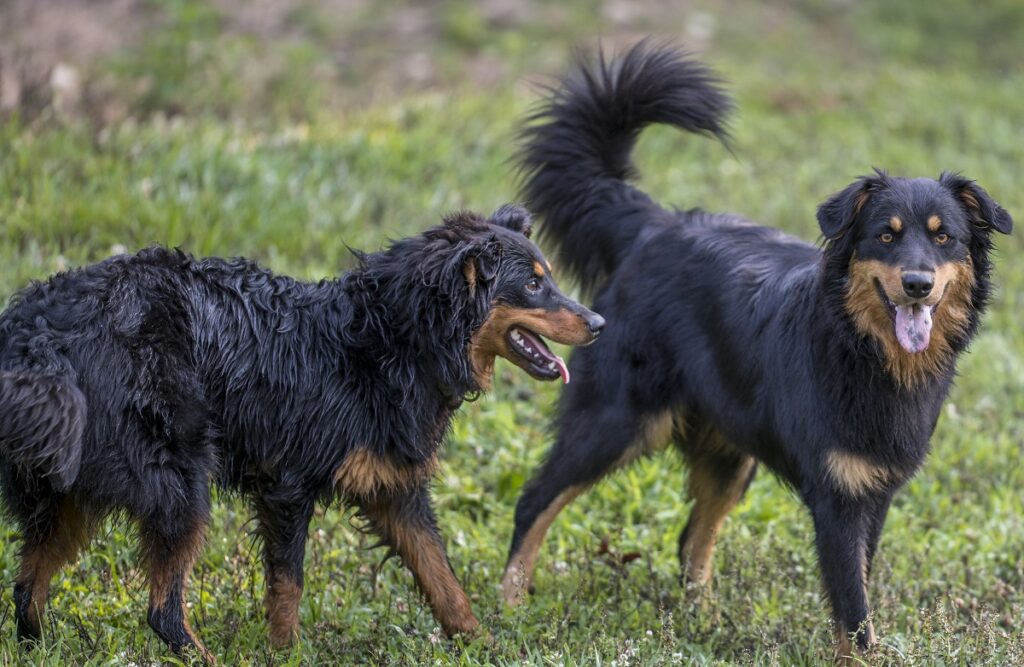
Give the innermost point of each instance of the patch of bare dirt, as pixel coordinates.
(45, 48)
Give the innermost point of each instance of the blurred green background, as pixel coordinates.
(285, 130)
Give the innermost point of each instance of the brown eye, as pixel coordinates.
(533, 286)
(886, 237)
(942, 239)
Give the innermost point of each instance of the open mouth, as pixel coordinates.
(540, 362)
(912, 322)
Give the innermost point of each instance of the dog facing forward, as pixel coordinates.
(134, 384)
(740, 344)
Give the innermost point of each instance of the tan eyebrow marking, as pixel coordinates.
(896, 224)
(538, 269)
(934, 222)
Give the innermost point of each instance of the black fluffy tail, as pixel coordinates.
(576, 150)
(41, 422)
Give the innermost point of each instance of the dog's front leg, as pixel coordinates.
(406, 523)
(843, 528)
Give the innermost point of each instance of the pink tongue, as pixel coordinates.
(540, 348)
(913, 327)
(562, 368)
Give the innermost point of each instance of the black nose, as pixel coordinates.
(595, 323)
(918, 284)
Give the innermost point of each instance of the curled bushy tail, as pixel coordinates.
(576, 148)
(41, 422)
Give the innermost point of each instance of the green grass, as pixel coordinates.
(826, 90)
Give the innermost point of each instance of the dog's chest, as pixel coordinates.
(364, 474)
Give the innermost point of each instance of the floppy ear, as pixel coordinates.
(984, 211)
(514, 217)
(482, 262)
(840, 210)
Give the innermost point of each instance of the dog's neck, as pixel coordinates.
(406, 319)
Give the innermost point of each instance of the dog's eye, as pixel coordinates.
(942, 238)
(886, 237)
(533, 286)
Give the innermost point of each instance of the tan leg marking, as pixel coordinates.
(519, 574)
(423, 554)
(164, 577)
(282, 604)
(846, 652)
(713, 503)
(72, 530)
(654, 435)
(429, 564)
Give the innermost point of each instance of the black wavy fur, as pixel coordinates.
(577, 146)
(731, 339)
(131, 385)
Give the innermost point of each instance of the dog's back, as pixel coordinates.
(49, 339)
(174, 357)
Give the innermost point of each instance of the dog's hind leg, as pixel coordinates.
(719, 475)
(283, 527)
(587, 449)
(54, 534)
(405, 522)
(171, 543)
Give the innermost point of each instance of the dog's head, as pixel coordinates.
(912, 246)
(507, 274)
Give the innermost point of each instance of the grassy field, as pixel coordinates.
(318, 150)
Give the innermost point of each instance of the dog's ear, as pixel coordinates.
(481, 263)
(514, 217)
(984, 212)
(840, 210)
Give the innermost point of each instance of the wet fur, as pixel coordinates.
(766, 347)
(133, 385)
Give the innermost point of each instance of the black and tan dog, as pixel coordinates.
(133, 385)
(739, 343)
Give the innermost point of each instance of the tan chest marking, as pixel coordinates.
(854, 474)
(364, 473)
